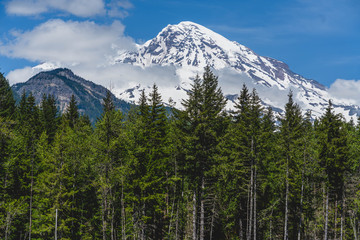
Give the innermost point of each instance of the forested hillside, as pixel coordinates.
(201, 173)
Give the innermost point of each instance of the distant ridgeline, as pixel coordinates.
(63, 83)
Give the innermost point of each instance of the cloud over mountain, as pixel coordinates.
(66, 43)
(79, 8)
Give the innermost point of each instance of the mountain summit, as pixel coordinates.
(63, 83)
(189, 47)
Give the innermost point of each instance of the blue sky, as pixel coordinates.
(317, 39)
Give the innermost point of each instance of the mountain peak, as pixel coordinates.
(61, 71)
(188, 30)
(189, 44)
(63, 83)
(188, 27)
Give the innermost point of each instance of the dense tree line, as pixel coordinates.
(197, 173)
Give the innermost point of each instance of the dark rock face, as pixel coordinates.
(63, 83)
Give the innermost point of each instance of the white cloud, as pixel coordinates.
(117, 77)
(231, 82)
(68, 42)
(81, 8)
(21, 75)
(346, 91)
(118, 8)
(85, 46)
(123, 76)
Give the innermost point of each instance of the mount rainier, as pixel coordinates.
(180, 52)
(188, 47)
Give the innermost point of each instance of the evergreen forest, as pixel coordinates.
(197, 173)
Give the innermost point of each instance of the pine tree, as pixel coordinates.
(65, 187)
(245, 145)
(108, 129)
(268, 176)
(72, 113)
(234, 172)
(333, 157)
(7, 204)
(49, 116)
(203, 125)
(24, 165)
(157, 175)
(108, 102)
(7, 102)
(291, 130)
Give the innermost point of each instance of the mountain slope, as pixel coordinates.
(62, 83)
(189, 47)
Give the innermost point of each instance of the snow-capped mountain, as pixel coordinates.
(189, 47)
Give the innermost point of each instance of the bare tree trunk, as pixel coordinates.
(270, 225)
(194, 217)
(342, 215)
(202, 211)
(254, 201)
(326, 215)
(56, 223)
(301, 208)
(103, 217)
(241, 234)
(212, 220)
(8, 225)
(31, 196)
(143, 237)
(171, 216)
(286, 200)
(177, 222)
(302, 193)
(123, 217)
(112, 222)
(353, 224)
(335, 219)
(251, 204)
(248, 212)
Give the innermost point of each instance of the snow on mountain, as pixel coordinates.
(189, 47)
(46, 66)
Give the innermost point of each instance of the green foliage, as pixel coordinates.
(7, 101)
(333, 149)
(72, 113)
(198, 173)
(49, 116)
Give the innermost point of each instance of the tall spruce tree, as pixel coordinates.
(7, 110)
(203, 125)
(72, 113)
(333, 157)
(155, 180)
(291, 130)
(49, 116)
(24, 164)
(236, 168)
(7, 102)
(108, 129)
(65, 188)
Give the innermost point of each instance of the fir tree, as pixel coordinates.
(203, 125)
(291, 132)
(333, 157)
(72, 113)
(108, 129)
(7, 102)
(49, 116)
